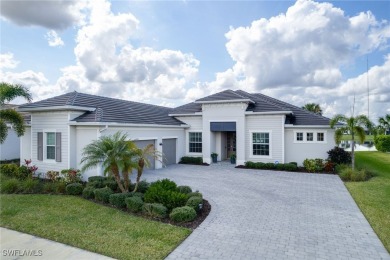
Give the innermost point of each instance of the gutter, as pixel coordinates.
(307, 126)
(56, 108)
(106, 125)
(269, 113)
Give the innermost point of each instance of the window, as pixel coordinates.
(299, 136)
(195, 144)
(260, 144)
(320, 137)
(309, 137)
(50, 146)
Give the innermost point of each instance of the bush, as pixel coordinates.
(143, 186)
(103, 194)
(195, 203)
(9, 170)
(382, 143)
(347, 174)
(49, 187)
(74, 189)
(30, 185)
(339, 156)
(71, 175)
(191, 160)
(137, 194)
(155, 210)
(96, 178)
(329, 166)
(60, 187)
(313, 165)
(195, 194)
(118, 199)
(52, 175)
(295, 163)
(184, 189)
(270, 166)
(23, 172)
(250, 165)
(10, 186)
(95, 184)
(113, 185)
(134, 204)
(340, 167)
(88, 193)
(165, 184)
(183, 214)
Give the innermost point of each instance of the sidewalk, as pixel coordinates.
(17, 245)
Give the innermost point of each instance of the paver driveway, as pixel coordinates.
(273, 215)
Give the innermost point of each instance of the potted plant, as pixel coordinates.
(233, 158)
(214, 156)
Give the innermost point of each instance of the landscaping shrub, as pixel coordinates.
(113, 185)
(71, 175)
(191, 160)
(74, 189)
(60, 187)
(95, 184)
(313, 165)
(184, 189)
(195, 203)
(137, 194)
(382, 143)
(10, 186)
(260, 165)
(52, 175)
(103, 194)
(183, 214)
(96, 178)
(134, 204)
(279, 166)
(295, 163)
(250, 164)
(165, 184)
(118, 199)
(195, 194)
(155, 210)
(329, 166)
(88, 193)
(347, 174)
(30, 185)
(9, 170)
(143, 186)
(270, 166)
(23, 172)
(340, 167)
(339, 156)
(49, 187)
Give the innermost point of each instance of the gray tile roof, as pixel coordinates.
(262, 103)
(110, 109)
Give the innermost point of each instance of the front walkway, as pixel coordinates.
(273, 215)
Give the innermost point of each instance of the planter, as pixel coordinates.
(214, 157)
(233, 160)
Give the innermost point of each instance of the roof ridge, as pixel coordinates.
(262, 99)
(71, 98)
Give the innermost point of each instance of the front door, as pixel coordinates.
(231, 143)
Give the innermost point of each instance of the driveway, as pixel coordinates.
(273, 215)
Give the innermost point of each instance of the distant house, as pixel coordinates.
(255, 127)
(10, 148)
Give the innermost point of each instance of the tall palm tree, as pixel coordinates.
(353, 126)
(116, 156)
(313, 107)
(384, 123)
(143, 155)
(9, 92)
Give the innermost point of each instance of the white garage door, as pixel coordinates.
(169, 151)
(144, 143)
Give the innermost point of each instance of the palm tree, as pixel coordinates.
(143, 156)
(384, 123)
(115, 154)
(313, 107)
(353, 126)
(9, 92)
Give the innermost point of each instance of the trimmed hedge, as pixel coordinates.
(134, 204)
(155, 210)
(184, 189)
(88, 193)
(118, 199)
(272, 166)
(195, 194)
(382, 143)
(103, 194)
(183, 214)
(10, 170)
(74, 189)
(96, 178)
(195, 203)
(191, 160)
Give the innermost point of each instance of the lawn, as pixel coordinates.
(373, 196)
(87, 225)
(369, 138)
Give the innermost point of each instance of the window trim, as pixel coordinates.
(315, 136)
(251, 155)
(44, 144)
(47, 145)
(188, 142)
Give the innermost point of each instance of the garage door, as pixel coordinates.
(169, 151)
(143, 144)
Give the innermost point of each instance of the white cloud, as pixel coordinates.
(7, 61)
(53, 39)
(53, 14)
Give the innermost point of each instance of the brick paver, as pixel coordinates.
(273, 215)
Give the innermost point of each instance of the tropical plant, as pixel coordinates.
(115, 154)
(143, 155)
(9, 92)
(313, 107)
(384, 123)
(353, 126)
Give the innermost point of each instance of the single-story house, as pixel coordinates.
(253, 126)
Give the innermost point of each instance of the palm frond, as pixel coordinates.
(9, 92)
(360, 133)
(338, 119)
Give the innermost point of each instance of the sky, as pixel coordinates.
(174, 52)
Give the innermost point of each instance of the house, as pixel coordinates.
(253, 126)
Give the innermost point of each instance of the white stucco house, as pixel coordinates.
(253, 126)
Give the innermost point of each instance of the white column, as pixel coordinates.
(158, 164)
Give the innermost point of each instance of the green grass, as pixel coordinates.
(369, 138)
(84, 224)
(373, 196)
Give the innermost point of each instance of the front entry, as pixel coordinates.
(230, 143)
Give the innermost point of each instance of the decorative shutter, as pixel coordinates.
(40, 146)
(58, 147)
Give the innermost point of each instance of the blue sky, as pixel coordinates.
(172, 52)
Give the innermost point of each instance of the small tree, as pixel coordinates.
(384, 124)
(313, 107)
(353, 126)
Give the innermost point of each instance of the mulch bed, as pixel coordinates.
(300, 169)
